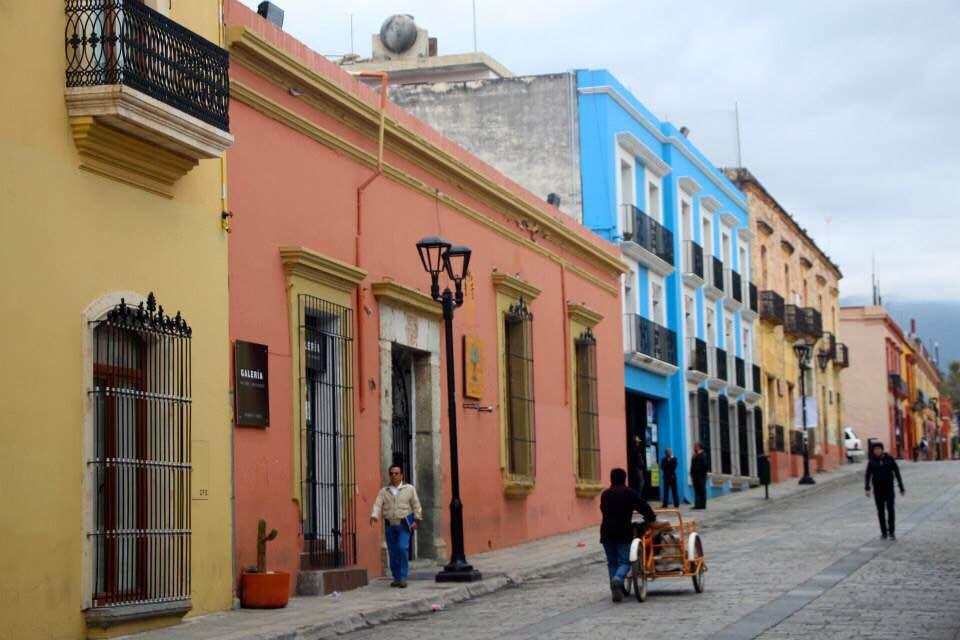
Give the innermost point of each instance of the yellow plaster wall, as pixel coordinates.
(71, 237)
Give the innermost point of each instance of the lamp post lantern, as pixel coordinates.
(804, 350)
(438, 255)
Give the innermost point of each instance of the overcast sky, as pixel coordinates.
(848, 109)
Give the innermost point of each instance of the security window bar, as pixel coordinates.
(776, 439)
(743, 439)
(726, 464)
(758, 430)
(521, 432)
(703, 423)
(124, 42)
(328, 471)
(141, 457)
(588, 414)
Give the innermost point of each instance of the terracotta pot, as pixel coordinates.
(269, 590)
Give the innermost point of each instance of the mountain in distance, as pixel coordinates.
(937, 323)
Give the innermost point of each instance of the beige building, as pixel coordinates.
(798, 300)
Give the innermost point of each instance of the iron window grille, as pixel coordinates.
(327, 461)
(757, 380)
(703, 419)
(740, 372)
(588, 427)
(697, 352)
(721, 359)
(796, 442)
(752, 292)
(744, 440)
(736, 284)
(141, 457)
(521, 431)
(758, 431)
(723, 419)
(109, 42)
(717, 273)
(776, 441)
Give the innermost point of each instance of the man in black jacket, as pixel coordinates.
(617, 504)
(881, 471)
(698, 474)
(669, 468)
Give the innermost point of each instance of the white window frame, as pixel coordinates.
(624, 157)
(651, 179)
(656, 280)
(747, 347)
(706, 235)
(710, 327)
(690, 310)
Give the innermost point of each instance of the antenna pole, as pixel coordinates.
(474, 26)
(351, 34)
(736, 112)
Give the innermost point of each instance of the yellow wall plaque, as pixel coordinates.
(472, 367)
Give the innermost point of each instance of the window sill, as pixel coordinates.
(106, 617)
(517, 486)
(589, 488)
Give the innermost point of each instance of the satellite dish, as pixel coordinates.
(398, 33)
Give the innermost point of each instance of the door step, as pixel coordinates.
(320, 582)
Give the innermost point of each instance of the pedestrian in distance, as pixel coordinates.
(698, 475)
(881, 470)
(923, 448)
(639, 464)
(668, 467)
(618, 504)
(399, 506)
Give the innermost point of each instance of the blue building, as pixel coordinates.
(583, 142)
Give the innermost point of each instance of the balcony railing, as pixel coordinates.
(811, 323)
(717, 272)
(753, 297)
(736, 286)
(643, 230)
(829, 345)
(649, 338)
(793, 319)
(693, 258)
(899, 386)
(740, 372)
(771, 307)
(124, 42)
(721, 363)
(757, 380)
(775, 438)
(697, 354)
(842, 358)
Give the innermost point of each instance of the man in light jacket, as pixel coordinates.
(395, 503)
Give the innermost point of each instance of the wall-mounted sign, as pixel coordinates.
(811, 403)
(472, 368)
(251, 384)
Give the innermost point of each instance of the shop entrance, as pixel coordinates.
(643, 449)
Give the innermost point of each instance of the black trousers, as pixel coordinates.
(699, 493)
(670, 486)
(885, 512)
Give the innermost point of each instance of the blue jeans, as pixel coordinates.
(398, 548)
(618, 559)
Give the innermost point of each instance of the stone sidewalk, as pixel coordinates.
(377, 603)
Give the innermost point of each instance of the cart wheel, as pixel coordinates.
(640, 581)
(698, 577)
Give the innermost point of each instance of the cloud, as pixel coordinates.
(848, 108)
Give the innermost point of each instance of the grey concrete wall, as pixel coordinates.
(526, 127)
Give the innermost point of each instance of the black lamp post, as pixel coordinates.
(804, 350)
(438, 255)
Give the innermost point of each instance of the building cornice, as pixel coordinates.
(729, 219)
(252, 51)
(650, 160)
(314, 266)
(397, 295)
(689, 186)
(709, 203)
(583, 314)
(617, 97)
(514, 287)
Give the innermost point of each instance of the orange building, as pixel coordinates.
(325, 274)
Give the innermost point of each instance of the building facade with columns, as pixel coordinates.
(798, 301)
(326, 281)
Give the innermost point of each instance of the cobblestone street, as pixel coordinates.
(810, 568)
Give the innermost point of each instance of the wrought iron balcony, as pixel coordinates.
(842, 359)
(720, 363)
(829, 345)
(739, 373)
(793, 320)
(125, 42)
(811, 323)
(697, 368)
(757, 380)
(771, 307)
(147, 98)
(899, 386)
(692, 263)
(647, 338)
(648, 234)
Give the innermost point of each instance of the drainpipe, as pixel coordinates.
(566, 334)
(357, 244)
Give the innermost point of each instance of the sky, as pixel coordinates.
(848, 109)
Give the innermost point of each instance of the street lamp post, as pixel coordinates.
(804, 350)
(438, 255)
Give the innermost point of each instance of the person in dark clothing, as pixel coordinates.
(617, 504)
(669, 468)
(881, 470)
(698, 474)
(639, 464)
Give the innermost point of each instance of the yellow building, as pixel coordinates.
(798, 301)
(115, 482)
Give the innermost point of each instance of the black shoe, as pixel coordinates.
(396, 583)
(663, 506)
(883, 536)
(893, 537)
(402, 584)
(616, 590)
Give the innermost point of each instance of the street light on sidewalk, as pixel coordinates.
(804, 351)
(438, 255)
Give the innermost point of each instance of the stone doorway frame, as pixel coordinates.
(410, 320)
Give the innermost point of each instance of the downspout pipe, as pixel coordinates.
(357, 240)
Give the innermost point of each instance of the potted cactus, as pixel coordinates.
(259, 588)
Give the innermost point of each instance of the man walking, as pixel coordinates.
(400, 507)
(617, 505)
(698, 474)
(669, 468)
(881, 471)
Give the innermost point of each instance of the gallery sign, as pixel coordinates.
(251, 384)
